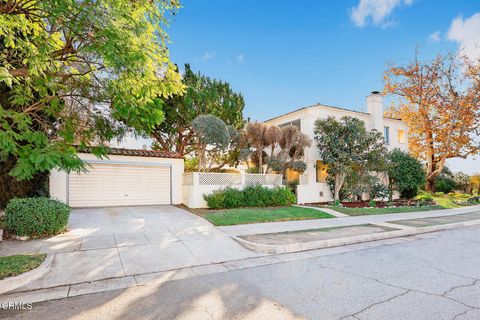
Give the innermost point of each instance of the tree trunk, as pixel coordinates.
(270, 157)
(336, 194)
(430, 186)
(339, 178)
(260, 160)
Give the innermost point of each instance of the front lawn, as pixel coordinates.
(449, 201)
(14, 265)
(372, 211)
(230, 217)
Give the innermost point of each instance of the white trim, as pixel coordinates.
(129, 163)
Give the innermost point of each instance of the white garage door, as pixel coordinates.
(120, 185)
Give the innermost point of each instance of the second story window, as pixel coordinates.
(402, 136)
(386, 135)
(295, 123)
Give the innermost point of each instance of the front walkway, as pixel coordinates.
(117, 242)
(276, 227)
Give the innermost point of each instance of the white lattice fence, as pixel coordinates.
(222, 179)
(264, 179)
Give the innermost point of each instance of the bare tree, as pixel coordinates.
(256, 137)
(273, 136)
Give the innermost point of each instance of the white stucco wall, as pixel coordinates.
(58, 185)
(394, 126)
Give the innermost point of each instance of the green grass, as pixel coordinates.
(14, 265)
(230, 217)
(451, 201)
(372, 211)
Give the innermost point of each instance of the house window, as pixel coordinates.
(386, 135)
(321, 171)
(292, 176)
(402, 136)
(295, 123)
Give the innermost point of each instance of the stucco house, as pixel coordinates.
(312, 184)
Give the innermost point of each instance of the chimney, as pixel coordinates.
(375, 109)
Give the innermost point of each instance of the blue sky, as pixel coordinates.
(282, 55)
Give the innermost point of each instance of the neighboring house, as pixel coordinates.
(312, 184)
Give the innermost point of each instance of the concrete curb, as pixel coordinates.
(320, 244)
(12, 283)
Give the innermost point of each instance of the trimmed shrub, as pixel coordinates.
(444, 184)
(282, 196)
(232, 198)
(409, 193)
(36, 216)
(424, 196)
(250, 196)
(216, 199)
(256, 196)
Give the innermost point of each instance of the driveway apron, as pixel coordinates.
(115, 242)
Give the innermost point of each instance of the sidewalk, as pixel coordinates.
(276, 227)
(294, 236)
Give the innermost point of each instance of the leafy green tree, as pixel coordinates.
(445, 181)
(462, 182)
(405, 173)
(203, 96)
(78, 73)
(210, 132)
(347, 144)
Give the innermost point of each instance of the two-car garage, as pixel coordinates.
(127, 178)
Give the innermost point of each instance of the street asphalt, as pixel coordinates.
(430, 276)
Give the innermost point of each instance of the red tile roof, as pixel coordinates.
(136, 152)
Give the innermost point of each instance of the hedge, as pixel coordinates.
(250, 196)
(36, 216)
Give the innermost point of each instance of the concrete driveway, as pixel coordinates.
(123, 241)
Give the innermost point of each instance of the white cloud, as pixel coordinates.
(467, 33)
(208, 56)
(435, 37)
(377, 10)
(241, 57)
